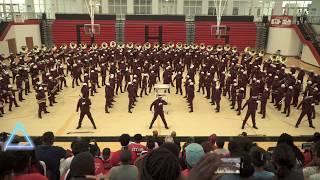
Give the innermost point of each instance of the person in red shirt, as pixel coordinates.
(115, 157)
(98, 161)
(136, 147)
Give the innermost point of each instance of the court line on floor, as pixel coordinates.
(66, 124)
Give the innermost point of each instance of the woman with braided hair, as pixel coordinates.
(160, 164)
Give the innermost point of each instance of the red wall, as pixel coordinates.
(174, 31)
(241, 34)
(64, 31)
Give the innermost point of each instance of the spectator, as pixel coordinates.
(51, 155)
(312, 171)
(259, 158)
(157, 139)
(287, 139)
(160, 164)
(176, 141)
(98, 162)
(212, 139)
(206, 167)
(172, 147)
(299, 17)
(6, 165)
(151, 144)
(136, 147)
(285, 161)
(81, 166)
(22, 167)
(106, 152)
(168, 139)
(194, 152)
(207, 146)
(124, 141)
(220, 148)
(125, 170)
(77, 147)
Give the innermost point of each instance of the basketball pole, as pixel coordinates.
(91, 8)
(220, 6)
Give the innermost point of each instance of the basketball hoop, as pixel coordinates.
(220, 6)
(95, 28)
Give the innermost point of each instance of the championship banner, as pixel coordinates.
(281, 21)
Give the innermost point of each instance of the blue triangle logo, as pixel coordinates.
(19, 147)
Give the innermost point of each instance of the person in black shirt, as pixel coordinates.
(84, 105)
(158, 110)
(307, 105)
(252, 108)
(41, 97)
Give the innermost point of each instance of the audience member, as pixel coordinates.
(81, 166)
(115, 157)
(194, 152)
(125, 171)
(6, 165)
(136, 146)
(51, 155)
(312, 171)
(98, 161)
(220, 148)
(176, 141)
(172, 147)
(288, 139)
(207, 146)
(259, 158)
(212, 139)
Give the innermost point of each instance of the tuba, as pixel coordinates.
(83, 46)
(247, 49)
(227, 47)
(209, 48)
(146, 46)
(261, 53)
(219, 48)
(24, 49)
(234, 49)
(113, 44)
(73, 45)
(104, 45)
(179, 45)
(94, 46)
(202, 46)
(156, 45)
(130, 45)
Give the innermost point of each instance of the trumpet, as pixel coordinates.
(104, 45)
(94, 46)
(113, 44)
(261, 53)
(234, 49)
(171, 45)
(36, 49)
(179, 45)
(147, 45)
(247, 49)
(130, 45)
(73, 45)
(209, 48)
(83, 46)
(202, 46)
(227, 47)
(24, 49)
(219, 48)
(156, 45)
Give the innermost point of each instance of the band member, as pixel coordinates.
(119, 80)
(307, 105)
(190, 94)
(103, 72)
(131, 95)
(19, 82)
(108, 97)
(252, 107)
(287, 101)
(178, 78)
(12, 97)
(217, 98)
(144, 85)
(84, 105)
(41, 97)
(158, 111)
(62, 77)
(240, 97)
(263, 104)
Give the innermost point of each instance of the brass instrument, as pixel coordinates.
(194, 46)
(202, 46)
(179, 45)
(36, 49)
(171, 45)
(261, 53)
(113, 44)
(165, 47)
(64, 46)
(252, 52)
(94, 46)
(83, 46)
(227, 47)
(130, 45)
(104, 45)
(73, 45)
(234, 49)
(209, 48)
(146, 45)
(156, 45)
(43, 47)
(186, 46)
(283, 59)
(137, 46)
(24, 49)
(121, 46)
(247, 49)
(219, 48)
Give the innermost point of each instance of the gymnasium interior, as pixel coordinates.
(160, 89)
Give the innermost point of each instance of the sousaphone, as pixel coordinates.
(36, 49)
(53, 48)
(63, 46)
(234, 49)
(83, 46)
(156, 45)
(186, 46)
(209, 48)
(247, 49)
(104, 45)
(43, 47)
(202, 46)
(94, 46)
(121, 46)
(137, 46)
(73, 45)
(219, 48)
(252, 52)
(227, 47)
(179, 45)
(113, 44)
(147, 45)
(130, 45)
(171, 45)
(194, 46)
(261, 53)
(24, 49)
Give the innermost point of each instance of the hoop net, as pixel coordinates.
(219, 6)
(90, 29)
(95, 28)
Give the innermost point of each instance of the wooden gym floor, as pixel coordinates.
(204, 121)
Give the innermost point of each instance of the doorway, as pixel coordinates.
(12, 46)
(29, 42)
